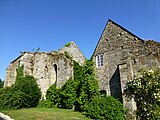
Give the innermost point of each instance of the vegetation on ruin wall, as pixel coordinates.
(145, 88)
(67, 44)
(24, 94)
(81, 94)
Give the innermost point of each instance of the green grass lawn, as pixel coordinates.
(45, 114)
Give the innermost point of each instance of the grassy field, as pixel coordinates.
(45, 114)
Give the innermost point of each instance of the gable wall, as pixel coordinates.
(122, 48)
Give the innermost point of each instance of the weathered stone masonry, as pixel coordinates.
(118, 56)
(47, 67)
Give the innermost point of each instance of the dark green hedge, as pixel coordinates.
(105, 108)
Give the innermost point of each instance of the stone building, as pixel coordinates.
(118, 56)
(47, 67)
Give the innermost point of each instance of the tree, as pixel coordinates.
(145, 87)
(88, 85)
(1, 83)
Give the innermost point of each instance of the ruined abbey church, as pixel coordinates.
(47, 67)
(118, 56)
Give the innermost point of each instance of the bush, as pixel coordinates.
(52, 96)
(28, 86)
(12, 99)
(68, 94)
(107, 108)
(67, 44)
(44, 104)
(24, 94)
(145, 87)
(78, 92)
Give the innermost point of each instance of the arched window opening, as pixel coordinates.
(55, 69)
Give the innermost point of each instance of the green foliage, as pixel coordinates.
(67, 55)
(68, 94)
(12, 99)
(88, 85)
(21, 52)
(28, 86)
(145, 87)
(52, 96)
(1, 83)
(19, 72)
(83, 93)
(67, 44)
(24, 94)
(77, 92)
(38, 49)
(45, 104)
(78, 71)
(105, 108)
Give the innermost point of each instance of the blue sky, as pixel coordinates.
(49, 24)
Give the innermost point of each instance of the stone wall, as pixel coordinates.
(74, 52)
(47, 67)
(123, 55)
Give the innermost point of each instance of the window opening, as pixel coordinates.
(55, 69)
(134, 61)
(99, 60)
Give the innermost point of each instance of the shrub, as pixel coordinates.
(107, 108)
(28, 86)
(88, 87)
(67, 44)
(44, 104)
(68, 94)
(145, 87)
(24, 94)
(52, 96)
(12, 99)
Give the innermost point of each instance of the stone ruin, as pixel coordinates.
(46, 67)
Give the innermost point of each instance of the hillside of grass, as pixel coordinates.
(45, 114)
